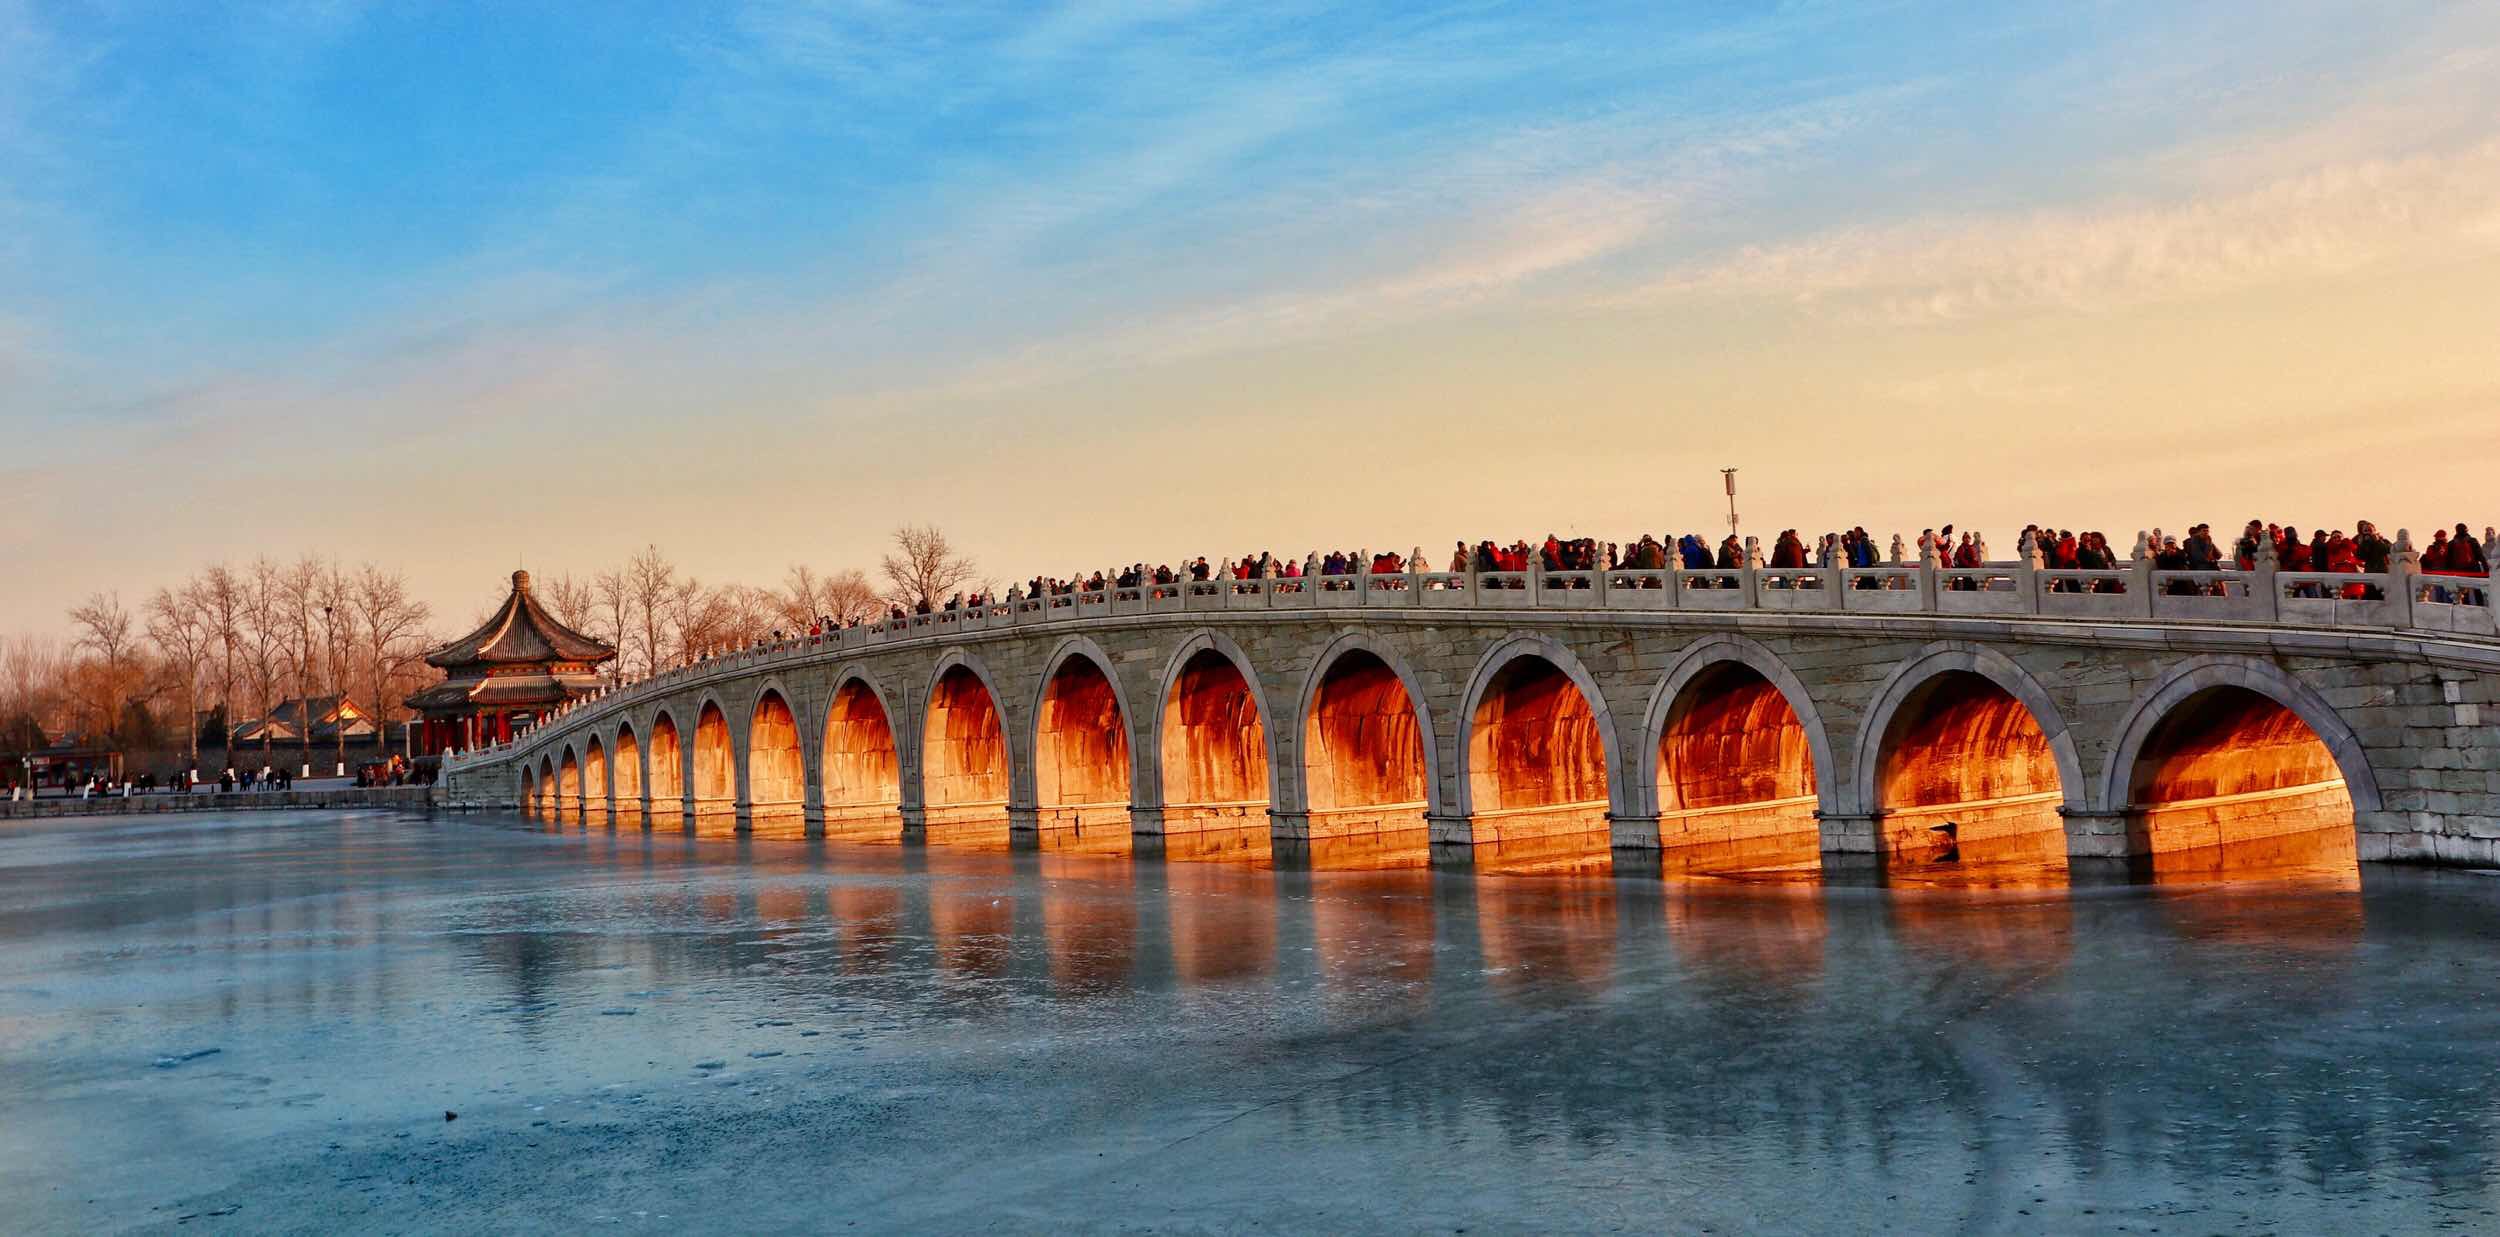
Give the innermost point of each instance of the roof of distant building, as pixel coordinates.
(520, 633)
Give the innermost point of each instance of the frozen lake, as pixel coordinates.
(256, 1023)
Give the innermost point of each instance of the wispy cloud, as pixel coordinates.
(2328, 222)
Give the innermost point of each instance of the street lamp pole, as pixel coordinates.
(1730, 475)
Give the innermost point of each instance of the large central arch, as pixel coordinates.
(1540, 747)
(1216, 770)
(776, 770)
(964, 772)
(863, 771)
(1737, 751)
(1965, 759)
(2231, 766)
(715, 772)
(1080, 742)
(1367, 744)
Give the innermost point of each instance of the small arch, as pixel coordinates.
(625, 770)
(530, 784)
(965, 771)
(1215, 768)
(546, 788)
(668, 766)
(1368, 761)
(1737, 757)
(1080, 748)
(569, 787)
(862, 766)
(715, 767)
(776, 769)
(595, 780)
(1965, 755)
(1540, 756)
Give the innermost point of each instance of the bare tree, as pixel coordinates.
(266, 626)
(924, 567)
(394, 631)
(801, 599)
(571, 601)
(849, 597)
(335, 594)
(104, 629)
(300, 586)
(616, 602)
(30, 672)
(218, 595)
(180, 629)
(103, 683)
(650, 584)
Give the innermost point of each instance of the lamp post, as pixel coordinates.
(1730, 475)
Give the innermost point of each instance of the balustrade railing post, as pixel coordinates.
(2140, 578)
(2027, 581)
(1751, 578)
(1675, 585)
(1930, 568)
(2262, 580)
(1536, 583)
(2404, 579)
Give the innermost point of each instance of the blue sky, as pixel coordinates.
(753, 280)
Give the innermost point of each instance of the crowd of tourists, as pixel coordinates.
(1963, 555)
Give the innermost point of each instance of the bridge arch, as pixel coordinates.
(1541, 755)
(2221, 750)
(1214, 755)
(714, 784)
(1734, 750)
(966, 767)
(860, 768)
(1370, 760)
(569, 787)
(1962, 741)
(667, 762)
(773, 775)
(530, 786)
(1083, 769)
(547, 788)
(625, 772)
(595, 793)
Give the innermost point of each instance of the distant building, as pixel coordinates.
(519, 666)
(334, 718)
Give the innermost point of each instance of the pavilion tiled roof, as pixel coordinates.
(520, 633)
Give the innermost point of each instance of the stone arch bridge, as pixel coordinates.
(2006, 709)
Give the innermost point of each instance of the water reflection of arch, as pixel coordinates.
(2013, 932)
(2236, 756)
(1373, 934)
(1547, 939)
(859, 769)
(1221, 918)
(1723, 689)
(1193, 799)
(1084, 761)
(1942, 684)
(1553, 767)
(968, 775)
(1319, 797)
(1769, 937)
